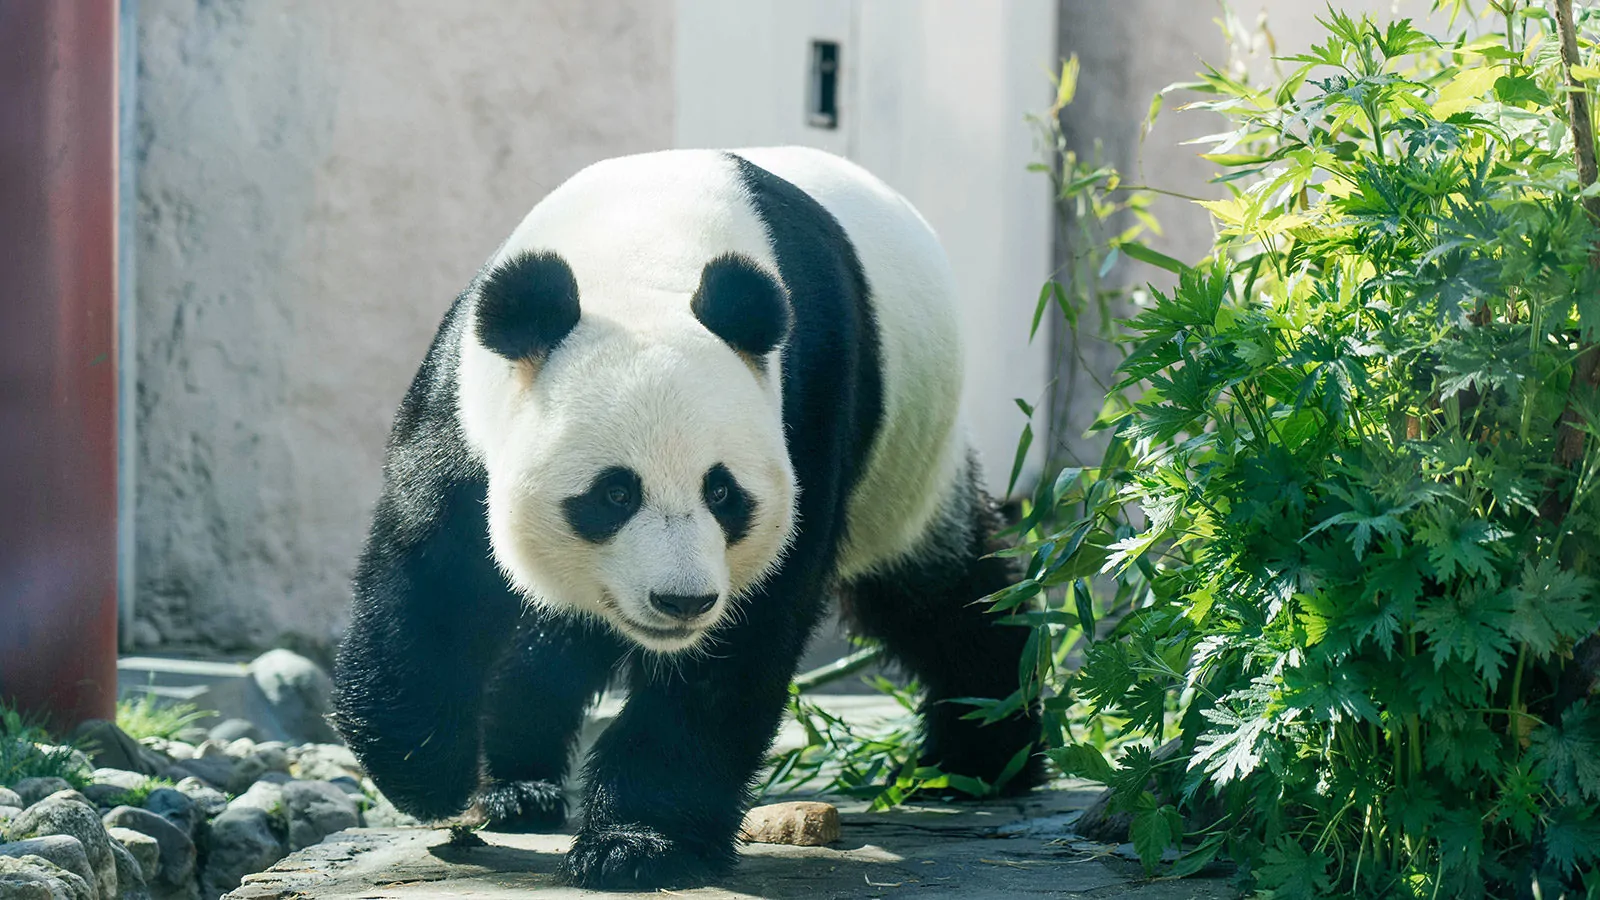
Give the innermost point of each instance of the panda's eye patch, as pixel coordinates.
(730, 504)
(597, 514)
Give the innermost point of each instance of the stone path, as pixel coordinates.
(978, 851)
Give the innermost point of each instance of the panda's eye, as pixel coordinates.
(619, 495)
(718, 494)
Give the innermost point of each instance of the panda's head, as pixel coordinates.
(635, 450)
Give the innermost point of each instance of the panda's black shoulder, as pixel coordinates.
(833, 365)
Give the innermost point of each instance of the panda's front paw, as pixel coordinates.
(637, 857)
(519, 806)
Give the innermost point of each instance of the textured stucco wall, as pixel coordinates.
(316, 181)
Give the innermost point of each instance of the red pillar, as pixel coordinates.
(58, 365)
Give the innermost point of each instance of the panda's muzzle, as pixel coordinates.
(682, 606)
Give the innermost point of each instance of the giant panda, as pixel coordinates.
(691, 397)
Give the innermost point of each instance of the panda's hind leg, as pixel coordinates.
(533, 715)
(924, 611)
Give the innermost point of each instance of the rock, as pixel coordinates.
(104, 795)
(130, 877)
(32, 790)
(8, 797)
(176, 848)
(233, 729)
(242, 841)
(323, 762)
(63, 850)
(7, 813)
(110, 747)
(179, 750)
(317, 809)
(144, 849)
(120, 777)
(176, 808)
(804, 823)
(69, 813)
(37, 878)
(248, 771)
(215, 770)
(349, 786)
(265, 796)
(207, 799)
(383, 814)
(298, 691)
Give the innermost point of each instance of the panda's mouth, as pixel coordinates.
(634, 629)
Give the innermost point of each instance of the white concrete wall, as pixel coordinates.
(933, 95)
(316, 181)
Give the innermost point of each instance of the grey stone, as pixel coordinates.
(104, 795)
(242, 841)
(233, 729)
(239, 748)
(175, 807)
(317, 809)
(119, 777)
(63, 850)
(69, 813)
(247, 772)
(215, 770)
(112, 748)
(130, 877)
(32, 790)
(348, 785)
(177, 849)
(383, 814)
(207, 799)
(265, 796)
(7, 813)
(37, 878)
(298, 691)
(146, 850)
(273, 755)
(323, 762)
(8, 797)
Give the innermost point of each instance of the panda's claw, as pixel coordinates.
(635, 857)
(527, 807)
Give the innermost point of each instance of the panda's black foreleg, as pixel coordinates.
(431, 615)
(533, 714)
(924, 613)
(666, 786)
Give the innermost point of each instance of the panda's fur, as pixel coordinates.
(692, 395)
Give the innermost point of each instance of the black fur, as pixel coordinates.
(527, 305)
(436, 649)
(611, 500)
(736, 508)
(741, 304)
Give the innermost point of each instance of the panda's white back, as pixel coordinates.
(919, 452)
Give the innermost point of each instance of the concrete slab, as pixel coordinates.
(976, 851)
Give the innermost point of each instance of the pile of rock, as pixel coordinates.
(177, 819)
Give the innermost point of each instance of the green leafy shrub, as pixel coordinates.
(28, 751)
(147, 716)
(1351, 489)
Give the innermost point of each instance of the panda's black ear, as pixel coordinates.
(743, 305)
(526, 305)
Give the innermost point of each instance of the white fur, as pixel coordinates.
(640, 383)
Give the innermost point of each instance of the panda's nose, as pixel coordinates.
(682, 606)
